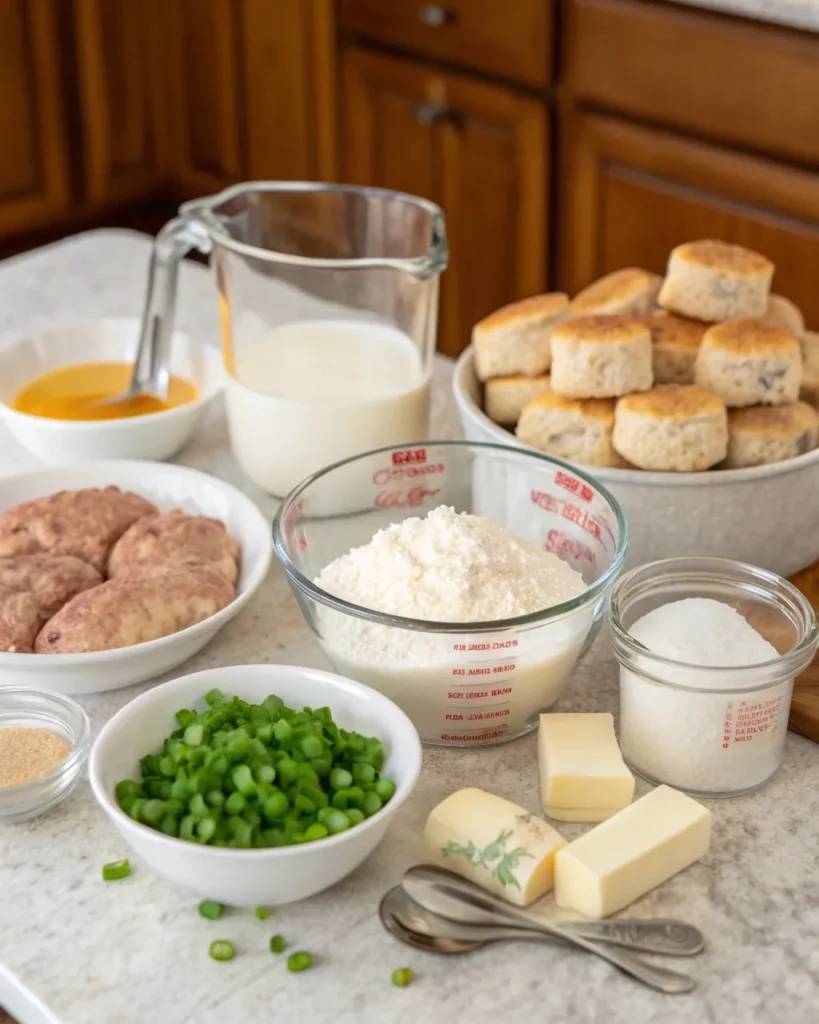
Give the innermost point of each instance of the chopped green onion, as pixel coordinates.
(116, 870)
(194, 734)
(277, 944)
(262, 913)
(340, 778)
(371, 803)
(402, 976)
(221, 949)
(299, 961)
(211, 910)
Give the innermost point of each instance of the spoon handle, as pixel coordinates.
(659, 978)
(665, 937)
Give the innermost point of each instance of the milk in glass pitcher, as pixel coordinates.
(328, 298)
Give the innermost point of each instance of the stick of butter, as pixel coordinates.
(631, 853)
(583, 776)
(494, 843)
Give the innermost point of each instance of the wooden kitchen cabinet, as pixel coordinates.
(35, 181)
(630, 193)
(202, 50)
(120, 79)
(480, 151)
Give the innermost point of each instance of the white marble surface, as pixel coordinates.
(794, 13)
(135, 952)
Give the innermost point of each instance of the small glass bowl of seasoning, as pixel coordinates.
(45, 738)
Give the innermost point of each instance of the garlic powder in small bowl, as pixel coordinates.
(44, 742)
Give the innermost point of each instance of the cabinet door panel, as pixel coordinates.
(120, 79)
(478, 150)
(632, 193)
(35, 184)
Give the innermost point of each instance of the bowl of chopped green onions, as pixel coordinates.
(255, 784)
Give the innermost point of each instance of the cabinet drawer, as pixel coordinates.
(512, 38)
(732, 80)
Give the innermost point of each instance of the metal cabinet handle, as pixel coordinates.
(435, 15)
(432, 113)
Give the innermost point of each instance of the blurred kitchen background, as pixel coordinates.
(563, 138)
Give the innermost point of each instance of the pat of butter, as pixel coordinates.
(631, 853)
(583, 776)
(494, 843)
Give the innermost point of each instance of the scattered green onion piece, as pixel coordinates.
(211, 909)
(277, 944)
(402, 976)
(116, 870)
(262, 913)
(299, 962)
(221, 949)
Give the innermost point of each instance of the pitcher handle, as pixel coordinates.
(172, 243)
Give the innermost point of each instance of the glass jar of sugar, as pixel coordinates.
(708, 651)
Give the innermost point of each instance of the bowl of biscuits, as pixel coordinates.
(693, 397)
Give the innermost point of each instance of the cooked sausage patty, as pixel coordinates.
(85, 524)
(175, 540)
(133, 609)
(53, 579)
(19, 620)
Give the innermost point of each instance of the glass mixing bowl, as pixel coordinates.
(461, 683)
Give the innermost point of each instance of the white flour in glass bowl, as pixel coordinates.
(455, 567)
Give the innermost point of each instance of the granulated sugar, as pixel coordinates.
(700, 741)
(455, 567)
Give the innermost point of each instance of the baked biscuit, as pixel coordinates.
(675, 343)
(679, 428)
(52, 579)
(19, 620)
(809, 343)
(515, 339)
(785, 314)
(809, 392)
(763, 434)
(175, 540)
(750, 362)
(132, 610)
(575, 429)
(84, 524)
(716, 281)
(601, 357)
(505, 397)
(631, 291)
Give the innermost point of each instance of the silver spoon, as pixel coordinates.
(408, 920)
(452, 897)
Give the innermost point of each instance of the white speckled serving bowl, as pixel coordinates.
(766, 515)
(253, 877)
(158, 435)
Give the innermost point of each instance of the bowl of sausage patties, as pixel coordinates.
(113, 573)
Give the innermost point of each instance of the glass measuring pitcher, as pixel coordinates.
(328, 301)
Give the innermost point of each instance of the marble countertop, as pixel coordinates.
(75, 950)
(794, 13)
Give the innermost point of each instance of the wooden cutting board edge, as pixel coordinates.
(804, 716)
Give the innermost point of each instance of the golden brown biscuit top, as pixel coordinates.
(536, 307)
(725, 256)
(615, 329)
(774, 420)
(674, 331)
(618, 286)
(673, 401)
(591, 408)
(751, 336)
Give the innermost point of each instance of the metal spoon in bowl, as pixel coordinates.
(450, 896)
(410, 922)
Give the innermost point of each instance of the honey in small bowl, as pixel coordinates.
(75, 393)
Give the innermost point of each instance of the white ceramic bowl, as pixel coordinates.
(253, 877)
(156, 436)
(765, 515)
(168, 486)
